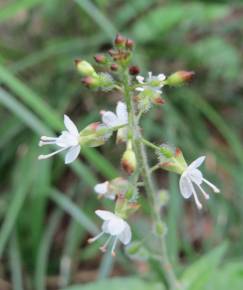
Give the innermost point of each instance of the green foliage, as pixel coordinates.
(45, 208)
(119, 284)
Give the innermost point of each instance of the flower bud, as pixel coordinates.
(160, 229)
(171, 159)
(135, 250)
(129, 44)
(85, 68)
(129, 161)
(114, 67)
(158, 100)
(100, 58)
(134, 70)
(91, 82)
(179, 78)
(120, 40)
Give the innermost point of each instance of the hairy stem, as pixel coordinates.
(147, 179)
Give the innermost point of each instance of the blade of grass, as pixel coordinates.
(44, 250)
(19, 192)
(98, 17)
(15, 263)
(73, 210)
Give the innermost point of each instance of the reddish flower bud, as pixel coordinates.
(134, 70)
(129, 162)
(90, 82)
(158, 100)
(100, 58)
(129, 43)
(114, 67)
(120, 40)
(179, 77)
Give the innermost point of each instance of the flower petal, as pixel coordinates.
(66, 139)
(195, 175)
(105, 227)
(139, 89)
(196, 163)
(185, 186)
(140, 79)
(105, 214)
(121, 111)
(110, 119)
(71, 127)
(101, 188)
(126, 234)
(72, 154)
(161, 77)
(116, 226)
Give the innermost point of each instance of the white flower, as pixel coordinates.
(102, 189)
(152, 83)
(116, 227)
(192, 177)
(69, 140)
(111, 119)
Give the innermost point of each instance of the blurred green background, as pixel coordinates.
(47, 209)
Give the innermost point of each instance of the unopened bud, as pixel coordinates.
(120, 40)
(134, 247)
(134, 70)
(91, 82)
(179, 78)
(129, 43)
(129, 162)
(85, 68)
(158, 100)
(160, 229)
(100, 58)
(114, 67)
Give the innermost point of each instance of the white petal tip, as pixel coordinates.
(41, 157)
(199, 206)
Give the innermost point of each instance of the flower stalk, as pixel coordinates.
(149, 184)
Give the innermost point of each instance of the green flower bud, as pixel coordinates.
(171, 159)
(129, 161)
(137, 251)
(160, 229)
(85, 68)
(179, 78)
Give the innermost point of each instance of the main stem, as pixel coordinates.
(134, 132)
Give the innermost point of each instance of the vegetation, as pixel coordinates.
(46, 208)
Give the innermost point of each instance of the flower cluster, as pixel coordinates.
(139, 95)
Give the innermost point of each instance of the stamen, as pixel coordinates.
(41, 157)
(214, 188)
(198, 203)
(91, 240)
(46, 138)
(103, 248)
(42, 143)
(203, 191)
(113, 247)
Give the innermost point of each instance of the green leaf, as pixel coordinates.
(118, 284)
(199, 273)
(232, 274)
